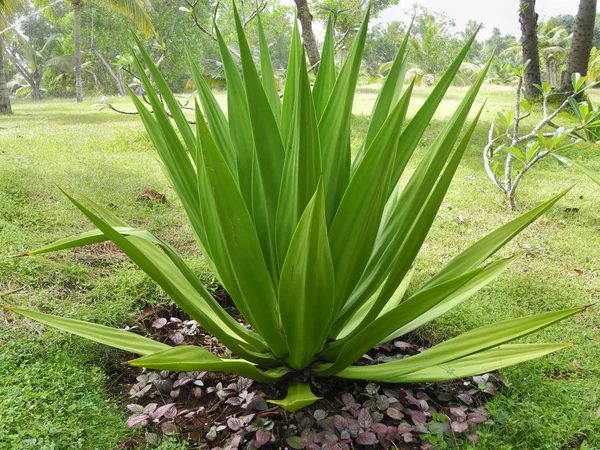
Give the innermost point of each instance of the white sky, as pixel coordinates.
(492, 13)
(502, 14)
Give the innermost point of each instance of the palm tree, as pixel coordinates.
(529, 40)
(30, 60)
(6, 6)
(553, 43)
(136, 10)
(583, 36)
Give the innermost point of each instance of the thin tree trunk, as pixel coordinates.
(5, 107)
(528, 20)
(111, 72)
(77, 51)
(310, 43)
(581, 45)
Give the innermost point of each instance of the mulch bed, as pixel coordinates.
(223, 411)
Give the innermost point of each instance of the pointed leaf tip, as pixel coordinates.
(299, 396)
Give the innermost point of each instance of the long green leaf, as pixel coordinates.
(388, 96)
(217, 123)
(334, 127)
(357, 220)
(191, 358)
(306, 287)
(240, 127)
(302, 168)
(290, 89)
(267, 73)
(168, 275)
(170, 101)
(326, 73)
(482, 362)
(490, 244)
(270, 153)
(113, 337)
(469, 343)
(401, 237)
(234, 243)
(372, 334)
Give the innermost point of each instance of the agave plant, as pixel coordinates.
(315, 247)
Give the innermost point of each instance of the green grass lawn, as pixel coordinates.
(59, 392)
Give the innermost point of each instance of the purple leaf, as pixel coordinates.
(391, 434)
(150, 408)
(177, 338)
(168, 427)
(377, 416)
(164, 410)
(364, 419)
(181, 382)
(262, 437)
(423, 396)
(407, 437)
(308, 435)
(394, 413)
(164, 386)
(348, 400)
(197, 392)
(340, 423)
(382, 402)
(379, 428)
(174, 393)
(234, 423)
(366, 438)
(476, 418)
(405, 428)
(459, 427)
(159, 323)
(137, 420)
(465, 398)
(490, 388)
(325, 437)
(234, 401)
(426, 446)
(319, 415)
(458, 413)
(257, 404)
(417, 416)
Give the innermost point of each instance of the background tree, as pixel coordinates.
(6, 7)
(136, 10)
(308, 36)
(528, 19)
(583, 35)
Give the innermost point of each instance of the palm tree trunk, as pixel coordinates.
(528, 20)
(581, 45)
(77, 51)
(310, 43)
(5, 107)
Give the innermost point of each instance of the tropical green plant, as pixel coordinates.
(136, 10)
(315, 248)
(510, 154)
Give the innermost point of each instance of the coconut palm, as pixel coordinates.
(6, 6)
(136, 10)
(30, 59)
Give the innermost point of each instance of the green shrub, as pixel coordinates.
(315, 248)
